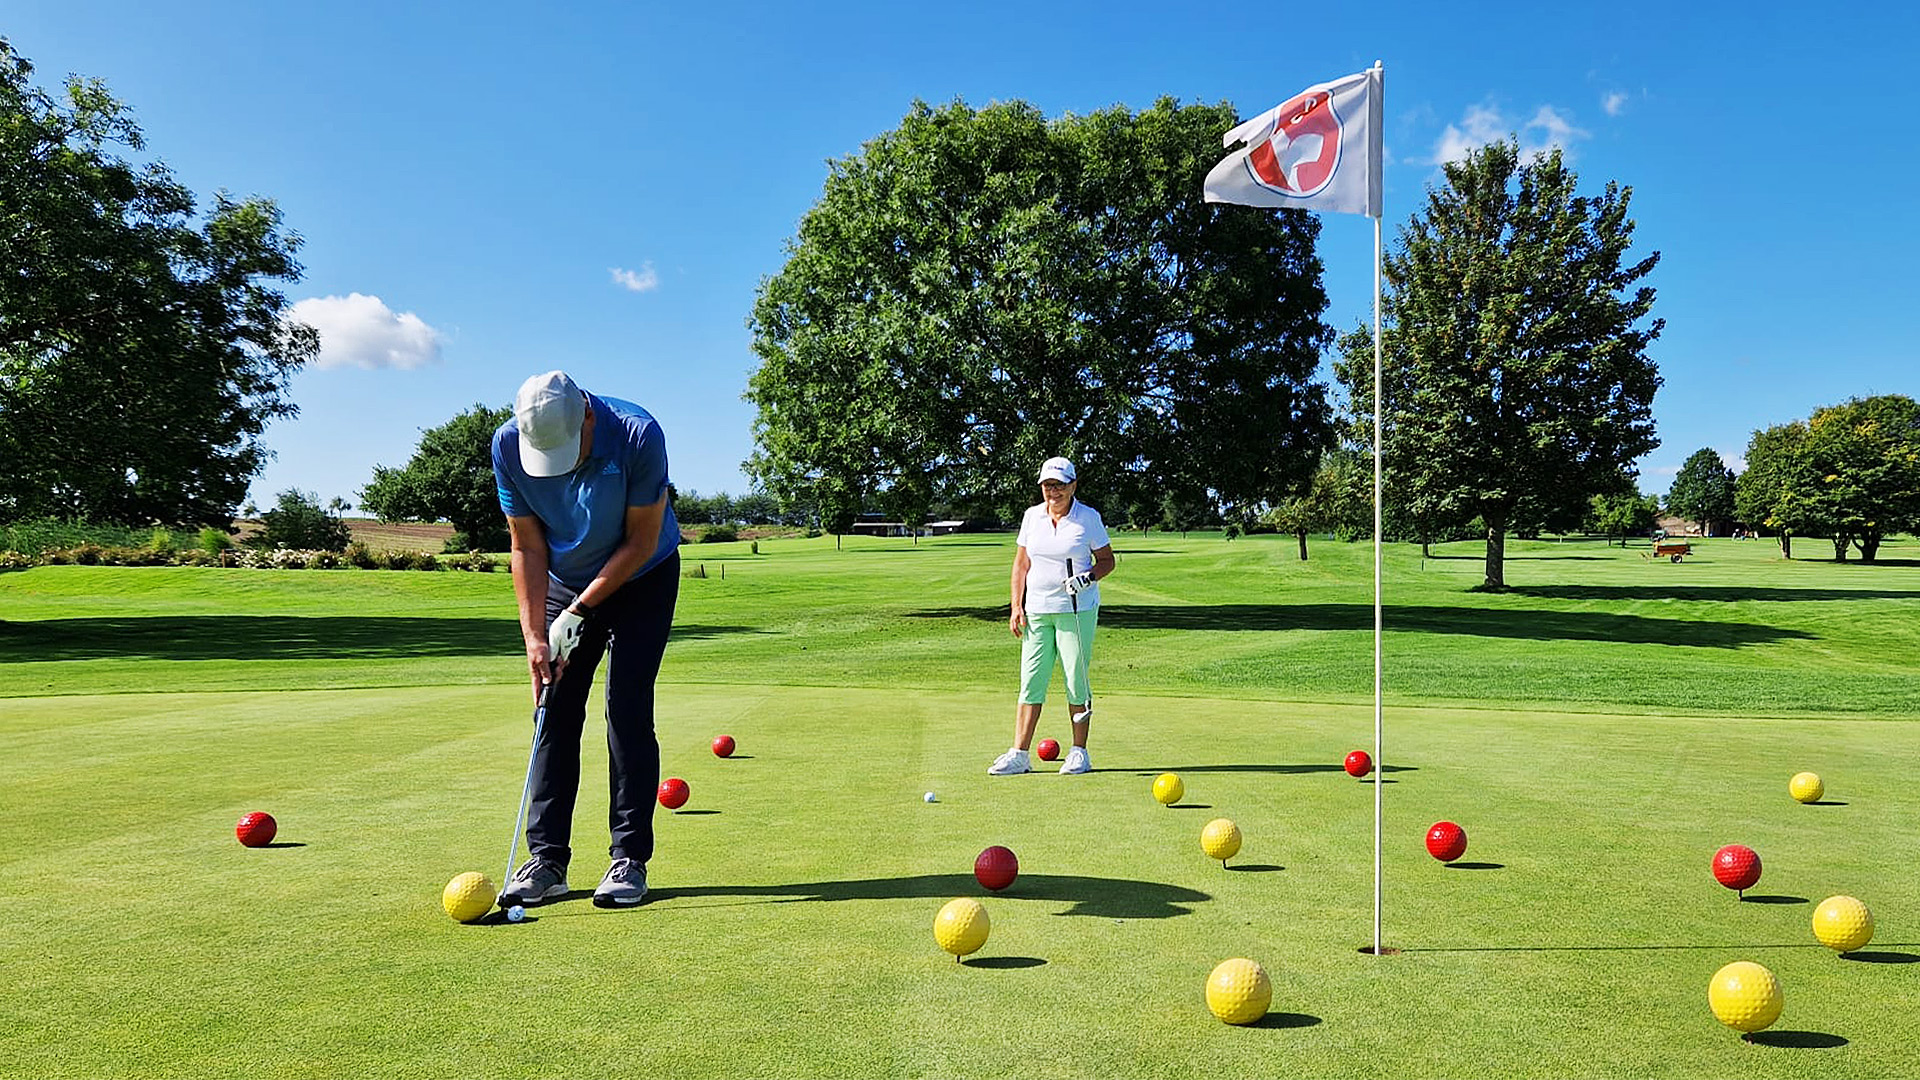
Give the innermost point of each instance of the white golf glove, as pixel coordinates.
(1080, 583)
(564, 635)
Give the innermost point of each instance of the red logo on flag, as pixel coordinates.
(1299, 155)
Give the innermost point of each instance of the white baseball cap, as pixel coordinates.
(1058, 468)
(549, 410)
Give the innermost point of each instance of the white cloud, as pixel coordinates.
(641, 280)
(1733, 459)
(361, 331)
(1614, 102)
(1482, 124)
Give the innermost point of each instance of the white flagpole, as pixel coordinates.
(1379, 761)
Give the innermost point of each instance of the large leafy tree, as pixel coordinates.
(1516, 379)
(449, 478)
(143, 348)
(977, 290)
(1776, 490)
(1864, 459)
(1702, 490)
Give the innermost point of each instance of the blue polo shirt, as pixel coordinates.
(584, 512)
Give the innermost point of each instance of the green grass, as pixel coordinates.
(1636, 716)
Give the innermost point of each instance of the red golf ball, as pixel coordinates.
(996, 868)
(1736, 866)
(1048, 749)
(674, 792)
(1446, 841)
(256, 829)
(1359, 763)
(723, 746)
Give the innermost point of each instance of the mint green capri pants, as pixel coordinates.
(1069, 637)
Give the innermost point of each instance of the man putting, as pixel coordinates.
(596, 571)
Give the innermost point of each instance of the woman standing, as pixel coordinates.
(1063, 549)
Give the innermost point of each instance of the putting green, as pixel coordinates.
(790, 928)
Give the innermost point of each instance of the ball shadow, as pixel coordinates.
(1476, 866)
(1880, 957)
(1804, 1040)
(284, 843)
(1190, 806)
(1255, 868)
(738, 757)
(1004, 962)
(1773, 900)
(694, 813)
(1826, 802)
(1286, 1020)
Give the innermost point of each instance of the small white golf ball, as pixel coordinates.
(516, 913)
(929, 796)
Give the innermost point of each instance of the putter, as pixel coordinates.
(526, 789)
(1086, 717)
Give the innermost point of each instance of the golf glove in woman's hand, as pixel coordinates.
(564, 635)
(1080, 582)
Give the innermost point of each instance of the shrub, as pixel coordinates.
(85, 554)
(422, 560)
(755, 547)
(395, 560)
(719, 534)
(14, 560)
(213, 541)
(360, 556)
(300, 522)
(487, 540)
(325, 560)
(477, 561)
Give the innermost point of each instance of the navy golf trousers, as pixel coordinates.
(630, 630)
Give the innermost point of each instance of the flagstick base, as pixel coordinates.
(1384, 950)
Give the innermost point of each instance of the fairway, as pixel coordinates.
(1599, 732)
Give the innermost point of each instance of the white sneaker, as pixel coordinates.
(1077, 761)
(1010, 763)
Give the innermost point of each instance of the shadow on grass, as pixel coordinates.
(1278, 768)
(1802, 1040)
(1520, 558)
(1903, 958)
(1774, 900)
(1113, 898)
(1876, 956)
(1705, 593)
(1476, 866)
(1285, 1020)
(274, 637)
(1190, 806)
(1003, 962)
(1255, 868)
(285, 843)
(693, 813)
(1826, 802)
(1519, 623)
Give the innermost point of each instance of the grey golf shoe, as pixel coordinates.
(625, 884)
(536, 882)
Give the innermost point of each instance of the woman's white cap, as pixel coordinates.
(549, 411)
(1057, 468)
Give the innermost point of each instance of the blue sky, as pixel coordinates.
(490, 190)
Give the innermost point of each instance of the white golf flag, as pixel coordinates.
(1320, 150)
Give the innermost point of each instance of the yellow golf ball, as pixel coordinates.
(1745, 996)
(468, 897)
(1842, 923)
(962, 926)
(1167, 788)
(1238, 991)
(1806, 787)
(1220, 839)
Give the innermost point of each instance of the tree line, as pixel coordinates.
(974, 291)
